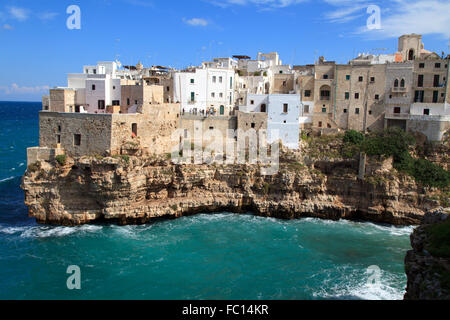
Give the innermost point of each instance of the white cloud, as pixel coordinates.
(16, 89)
(422, 17)
(47, 15)
(6, 27)
(197, 22)
(18, 13)
(397, 17)
(260, 3)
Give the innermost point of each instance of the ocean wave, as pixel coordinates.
(355, 286)
(47, 231)
(7, 179)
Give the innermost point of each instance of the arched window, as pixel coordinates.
(396, 83)
(411, 54)
(402, 83)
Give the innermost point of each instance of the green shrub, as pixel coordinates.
(430, 174)
(123, 157)
(62, 159)
(34, 166)
(393, 142)
(439, 239)
(353, 137)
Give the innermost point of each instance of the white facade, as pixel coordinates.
(283, 116)
(97, 87)
(205, 89)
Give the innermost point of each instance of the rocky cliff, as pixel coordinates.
(427, 265)
(130, 190)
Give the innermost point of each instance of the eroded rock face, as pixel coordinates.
(424, 270)
(139, 190)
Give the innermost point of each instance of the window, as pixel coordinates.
(284, 83)
(214, 79)
(402, 83)
(77, 139)
(307, 93)
(306, 109)
(285, 108)
(116, 102)
(192, 81)
(211, 128)
(128, 101)
(372, 79)
(396, 83)
(101, 104)
(263, 107)
(426, 112)
(345, 110)
(397, 110)
(221, 95)
(192, 96)
(95, 71)
(356, 95)
(421, 65)
(347, 95)
(420, 80)
(411, 54)
(281, 71)
(435, 96)
(324, 110)
(220, 79)
(325, 76)
(253, 125)
(418, 96)
(59, 128)
(213, 94)
(58, 138)
(437, 65)
(436, 81)
(134, 130)
(320, 124)
(347, 77)
(114, 87)
(93, 87)
(135, 102)
(231, 83)
(252, 101)
(361, 79)
(167, 88)
(370, 112)
(325, 95)
(377, 97)
(357, 111)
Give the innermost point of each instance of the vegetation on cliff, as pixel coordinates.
(397, 143)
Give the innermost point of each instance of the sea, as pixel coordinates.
(206, 256)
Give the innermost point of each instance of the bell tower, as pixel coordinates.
(410, 46)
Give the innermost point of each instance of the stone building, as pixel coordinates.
(150, 131)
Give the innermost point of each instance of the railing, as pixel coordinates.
(399, 89)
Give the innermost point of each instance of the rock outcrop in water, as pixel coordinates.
(133, 190)
(427, 266)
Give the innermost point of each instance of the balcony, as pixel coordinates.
(325, 98)
(399, 89)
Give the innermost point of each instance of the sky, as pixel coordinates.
(37, 49)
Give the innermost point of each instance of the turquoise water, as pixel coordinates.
(221, 256)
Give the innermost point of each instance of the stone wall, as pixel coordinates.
(192, 124)
(153, 129)
(93, 130)
(104, 134)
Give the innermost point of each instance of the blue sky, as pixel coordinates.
(38, 50)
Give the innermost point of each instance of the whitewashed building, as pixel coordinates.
(210, 88)
(283, 116)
